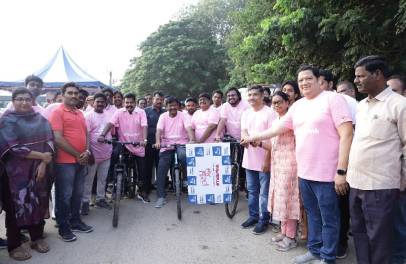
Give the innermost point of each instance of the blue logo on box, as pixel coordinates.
(199, 151)
(227, 198)
(216, 151)
(226, 179)
(192, 199)
(226, 160)
(191, 162)
(210, 198)
(191, 180)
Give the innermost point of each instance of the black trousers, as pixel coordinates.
(372, 219)
(344, 204)
(151, 159)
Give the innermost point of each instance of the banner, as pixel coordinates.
(209, 173)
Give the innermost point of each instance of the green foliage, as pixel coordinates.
(271, 39)
(182, 58)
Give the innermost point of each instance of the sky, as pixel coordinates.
(100, 36)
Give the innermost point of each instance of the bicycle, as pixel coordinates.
(177, 172)
(124, 180)
(235, 154)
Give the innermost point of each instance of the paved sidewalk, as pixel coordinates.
(147, 235)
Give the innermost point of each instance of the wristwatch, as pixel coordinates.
(342, 172)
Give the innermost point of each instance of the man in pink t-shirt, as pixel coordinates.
(131, 126)
(254, 120)
(323, 131)
(204, 121)
(173, 128)
(230, 115)
(96, 120)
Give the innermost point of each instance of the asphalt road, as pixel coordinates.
(149, 235)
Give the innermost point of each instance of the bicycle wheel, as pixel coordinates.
(178, 190)
(117, 197)
(231, 207)
(130, 184)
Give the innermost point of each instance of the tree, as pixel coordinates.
(272, 38)
(182, 58)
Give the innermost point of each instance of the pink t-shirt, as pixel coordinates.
(233, 117)
(95, 123)
(201, 120)
(255, 122)
(173, 129)
(49, 109)
(315, 122)
(130, 128)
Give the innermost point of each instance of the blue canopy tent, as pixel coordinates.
(59, 70)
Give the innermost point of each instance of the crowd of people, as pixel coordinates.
(315, 159)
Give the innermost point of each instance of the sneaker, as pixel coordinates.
(103, 204)
(342, 252)
(286, 244)
(160, 203)
(143, 197)
(85, 208)
(250, 222)
(24, 238)
(260, 228)
(305, 258)
(81, 228)
(67, 235)
(3, 243)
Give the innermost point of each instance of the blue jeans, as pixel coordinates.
(323, 217)
(399, 243)
(166, 159)
(69, 185)
(258, 189)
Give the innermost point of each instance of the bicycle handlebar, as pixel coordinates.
(230, 139)
(172, 145)
(108, 141)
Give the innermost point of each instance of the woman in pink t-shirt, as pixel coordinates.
(283, 198)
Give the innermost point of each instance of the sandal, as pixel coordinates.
(286, 244)
(19, 254)
(277, 238)
(40, 246)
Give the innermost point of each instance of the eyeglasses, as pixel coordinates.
(21, 99)
(277, 102)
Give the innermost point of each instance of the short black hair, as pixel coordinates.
(191, 99)
(327, 74)
(256, 87)
(84, 92)
(140, 99)
(172, 99)
(33, 78)
(284, 96)
(349, 84)
(295, 87)
(130, 96)
(373, 63)
(69, 84)
(307, 67)
(218, 92)
(402, 79)
(119, 93)
(99, 95)
(107, 89)
(234, 89)
(20, 90)
(266, 89)
(159, 93)
(205, 95)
